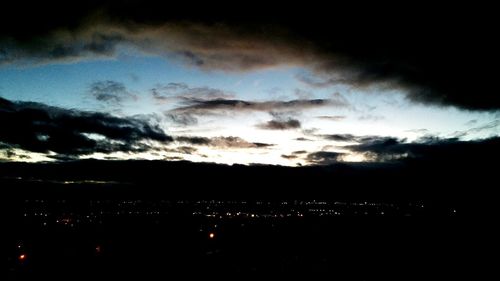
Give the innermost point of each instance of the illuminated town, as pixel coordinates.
(65, 213)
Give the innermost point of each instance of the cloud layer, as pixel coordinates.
(218, 106)
(110, 92)
(389, 50)
(221, 142)
(69, 134)
(181, 91)
(381, 149)
(40, 128)
(323, 157)
(280, 124)
(191, 107)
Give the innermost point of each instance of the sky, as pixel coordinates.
(111, 82)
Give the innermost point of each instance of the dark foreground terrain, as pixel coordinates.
(95, 220)
(118, 238)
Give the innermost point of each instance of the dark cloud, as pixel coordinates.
(175, 91)
(221, 142)
(474, 130)
(110, 92)
(182, 149)
(332, 117)
(40, 128)
(294, 155)
(234, 142)
(316, 81)
(488, 126)
(302, 139)
(262, 145)
(192, 106)
(348, 138)
(388, 148)
(384, 148)
(173, 158)
(433, 55)
(280, 124)
(222, 46)
(341, 137)
(194, 140)
(323, 157)
(217, 106)
(60, 46)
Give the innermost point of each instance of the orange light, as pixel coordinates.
(22, 257)
(211, 235)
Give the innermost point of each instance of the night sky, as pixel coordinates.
(306, 86)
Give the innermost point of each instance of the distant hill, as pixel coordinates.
(430, 180)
